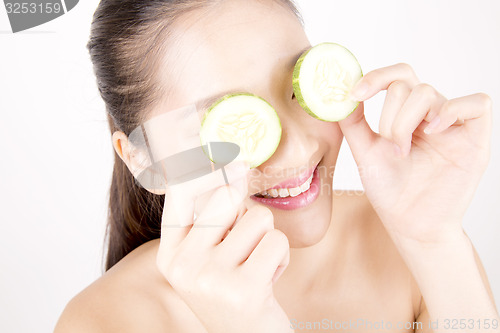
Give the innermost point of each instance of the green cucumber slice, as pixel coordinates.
(322, 79)
(246, 120)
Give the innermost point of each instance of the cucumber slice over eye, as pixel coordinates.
(246, 120)
(322, 79)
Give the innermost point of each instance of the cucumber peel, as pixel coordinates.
(322, 79)
(246, 120)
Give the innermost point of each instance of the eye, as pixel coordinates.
(293, 95)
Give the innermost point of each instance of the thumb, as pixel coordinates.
(358, 133)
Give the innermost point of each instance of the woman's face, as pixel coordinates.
(252, 46)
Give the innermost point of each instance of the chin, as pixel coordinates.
(308, 226)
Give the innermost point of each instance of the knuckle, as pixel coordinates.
(384, 131)
(262, 214)
(278, 238)
(175, 274)
(263, 224)
(398, 133)
(206, 282)
(486, 101)
(398, 85)
(178, 272)
(447, 108)
(424, 90)
(398, 89)
(234, 294)
(406, 68)
(222, 193)
(238, 299)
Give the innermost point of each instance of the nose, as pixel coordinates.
(298, 146)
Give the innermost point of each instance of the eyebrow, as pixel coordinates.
(296, 57)
(206, 103)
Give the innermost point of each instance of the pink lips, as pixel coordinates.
(294, 182)
(289, 203)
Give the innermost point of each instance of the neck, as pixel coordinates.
(312, 267)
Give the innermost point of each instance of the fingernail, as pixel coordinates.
(359, 91)
(397, 150)
(432, 125)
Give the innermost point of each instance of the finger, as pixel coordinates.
(381, 78)
(397, 93)
(178, 209)
(423, 100)
(184, 194)
(272, 252)
(215, 220)
(246, 234)
(473, 111)
(174, 227)
(242, 209)
(358, 133)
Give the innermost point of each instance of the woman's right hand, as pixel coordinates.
(224, 271)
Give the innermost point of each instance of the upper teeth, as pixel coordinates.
(287, 192)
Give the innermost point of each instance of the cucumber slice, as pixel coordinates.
(322, 79)
(246, 120)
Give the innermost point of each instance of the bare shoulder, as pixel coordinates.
(130, 297)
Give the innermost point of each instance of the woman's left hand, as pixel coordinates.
(422, 169)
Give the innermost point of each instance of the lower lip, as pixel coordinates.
(291, 203)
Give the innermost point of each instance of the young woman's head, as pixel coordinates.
(152, 56)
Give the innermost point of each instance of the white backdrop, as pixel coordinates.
(56, 150)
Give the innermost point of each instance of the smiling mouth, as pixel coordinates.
(291, 187)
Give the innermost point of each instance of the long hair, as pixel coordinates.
(126, 40)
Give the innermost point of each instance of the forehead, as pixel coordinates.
(235, 46)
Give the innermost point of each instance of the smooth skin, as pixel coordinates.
(397, 253)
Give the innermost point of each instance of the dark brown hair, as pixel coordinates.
(126, 39)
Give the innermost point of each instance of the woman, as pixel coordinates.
(395, 257)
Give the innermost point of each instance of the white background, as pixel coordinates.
(56, 149)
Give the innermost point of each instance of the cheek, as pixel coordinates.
(330, 134)
(331, 137)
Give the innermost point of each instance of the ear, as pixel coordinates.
(130, 156)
